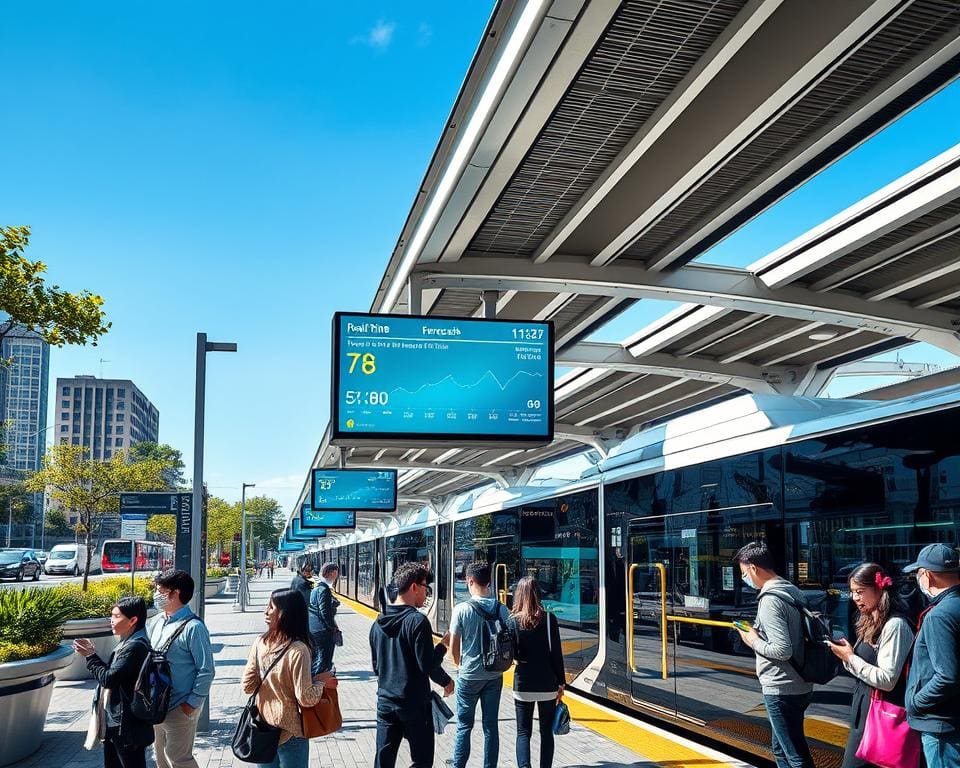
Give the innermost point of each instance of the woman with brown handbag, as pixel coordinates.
(289, 686)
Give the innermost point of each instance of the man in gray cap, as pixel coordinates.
(933, 685)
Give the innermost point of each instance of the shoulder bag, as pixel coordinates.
(324, 717)
(255, 740)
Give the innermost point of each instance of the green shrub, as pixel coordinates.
(30, 622)
(216, 573)
(102, 595)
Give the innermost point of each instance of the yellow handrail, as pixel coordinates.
(662, 570)
(629, 617)
(703, 622)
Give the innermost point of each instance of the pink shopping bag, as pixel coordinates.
(888, 740)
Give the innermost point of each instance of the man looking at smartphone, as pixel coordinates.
(776, 638)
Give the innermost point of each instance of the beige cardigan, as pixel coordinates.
(288, 687)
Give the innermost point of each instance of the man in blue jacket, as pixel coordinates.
(933, 685)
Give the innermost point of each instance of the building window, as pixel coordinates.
(121, 392)
(107, 453)
(119, 430)
(109, 429)
(76, 441)
(118, 441)
(120, 417)
(64, 427)
(76, 428)
(121, 406)
(63, 441)
(64, 403)
(66, 391)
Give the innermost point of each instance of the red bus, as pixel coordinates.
(118, 554)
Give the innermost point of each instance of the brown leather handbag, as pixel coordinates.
(323, 718)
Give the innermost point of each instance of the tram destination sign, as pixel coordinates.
(359, 490)
(404, 379)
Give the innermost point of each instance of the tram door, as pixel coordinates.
(686, 591)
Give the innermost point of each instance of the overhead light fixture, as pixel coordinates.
(509, 58)
(823, 335)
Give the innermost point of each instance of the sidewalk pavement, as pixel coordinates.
(232, 635)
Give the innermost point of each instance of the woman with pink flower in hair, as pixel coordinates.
(876, 661)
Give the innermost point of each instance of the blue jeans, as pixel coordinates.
(790, 748)
(469, 692)
(293, 753)
(942, 750)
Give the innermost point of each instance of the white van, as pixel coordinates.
(67, 559)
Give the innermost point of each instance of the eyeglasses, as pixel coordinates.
(428, 588)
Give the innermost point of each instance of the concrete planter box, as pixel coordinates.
(25, 690)
(97, 631)
(214, 587)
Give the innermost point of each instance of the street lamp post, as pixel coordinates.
(197, 560)
(243, 544)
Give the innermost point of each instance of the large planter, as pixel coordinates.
(213, 587)
(25, 690)
(99, 633)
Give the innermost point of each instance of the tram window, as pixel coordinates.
(878, 494)
(414, 546)
(366, 581)
(490, 539)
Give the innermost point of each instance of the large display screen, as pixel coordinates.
(368, 490)
(312, 519)
(299, 533)
(286, 546)
(404, 378)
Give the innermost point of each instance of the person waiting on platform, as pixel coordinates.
(933, 685)
(286, 646)
(302, 581)
(776, 638)
(323, 618)
(125, 737)
(539, 678)
(884, 639)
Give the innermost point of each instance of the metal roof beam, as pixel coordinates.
(616, 357)
(499, 474)
(706, 284)
(603, 440)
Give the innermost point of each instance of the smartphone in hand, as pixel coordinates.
(743, 626)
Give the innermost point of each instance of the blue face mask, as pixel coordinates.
(748, 581)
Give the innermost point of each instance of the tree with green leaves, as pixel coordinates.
(165, 453)
(265, 518)
(15, 505)
(56, 523)
(60, 317)
(163, 527)
(223, 524)
(91, 489)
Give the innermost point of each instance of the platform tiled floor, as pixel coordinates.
(232, 634)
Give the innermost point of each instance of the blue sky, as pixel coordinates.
(244, 170)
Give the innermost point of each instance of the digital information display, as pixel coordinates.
(299, 532)
(311, 519)
(286, 546)
(404, 378)
(366, 490)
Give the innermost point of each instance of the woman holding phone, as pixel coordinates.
(884, 640)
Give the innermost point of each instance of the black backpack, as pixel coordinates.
(497, 641)
(151, 694)
(819, 665)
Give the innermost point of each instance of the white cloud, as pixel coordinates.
(379, 36)
(424, 33)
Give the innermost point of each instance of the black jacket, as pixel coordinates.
(323, 608)
(933, 686)
(119, 676)
(404, 657)
(539, 662)
(302, 585)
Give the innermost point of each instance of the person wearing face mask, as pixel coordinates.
(884, 639)
(777, 639)
(191, 666)
(933, 685)
(125, 737)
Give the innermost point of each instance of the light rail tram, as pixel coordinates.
(636, 557)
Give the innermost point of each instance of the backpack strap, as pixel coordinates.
(167, 645)
(800, 608)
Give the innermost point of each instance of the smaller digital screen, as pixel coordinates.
(286, 546)
(368, 490)
(311, 533)
(311, 519)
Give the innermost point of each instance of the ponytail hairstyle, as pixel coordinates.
(527, 608)
(869, 625)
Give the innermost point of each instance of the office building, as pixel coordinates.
(104, 415)
(23, 401)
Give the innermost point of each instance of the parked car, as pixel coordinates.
(68, 559)
(42, 556)
(18, 564)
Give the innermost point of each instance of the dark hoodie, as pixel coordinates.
(404, 657)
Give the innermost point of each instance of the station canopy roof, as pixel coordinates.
(598, 149)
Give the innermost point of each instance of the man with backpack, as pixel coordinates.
(404, 661)
(777, 638)
(185, 641)
(481, 643)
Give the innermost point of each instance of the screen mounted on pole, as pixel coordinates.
(402, 378)
(311, 519)
(362, 490)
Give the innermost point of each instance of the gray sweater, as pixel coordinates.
(778, 624)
